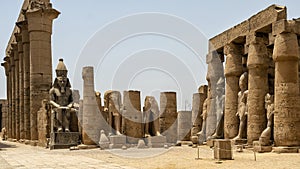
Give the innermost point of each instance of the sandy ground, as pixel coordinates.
(172, 158)
(185, 157)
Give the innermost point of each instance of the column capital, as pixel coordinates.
(6, 67)
(233, 64)
(41, 19)
(258, 53)
(286, 47)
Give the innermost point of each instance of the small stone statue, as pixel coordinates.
(242, 104)
(220, 105)
(4, 133)
(151, 115)
(61, 99)
(202, 133)
(112, 106)
(265, 136)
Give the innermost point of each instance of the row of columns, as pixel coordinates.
(287, 114)
(28, 67)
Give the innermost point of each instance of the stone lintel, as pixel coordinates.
(286, 26)
(257, 23)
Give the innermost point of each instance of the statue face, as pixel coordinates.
(62, 82)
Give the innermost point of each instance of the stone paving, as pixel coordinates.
(20, 156)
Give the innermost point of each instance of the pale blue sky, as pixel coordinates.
(84, 23)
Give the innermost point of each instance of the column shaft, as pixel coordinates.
(40, 30)
(17, 99)
(287, 115)
(233, 70)
(257, 89)
(13, 101)
(21, 85)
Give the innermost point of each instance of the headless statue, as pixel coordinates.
(242, 104)
(202, 133)
(265, 136)
(61, 98)
(151, 116)
(112, 105)
(220, 103)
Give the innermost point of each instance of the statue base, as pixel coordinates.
(257, 147)
(239, 141)
(62, 140)
(117, 141)
(156, 141)
(285, 149)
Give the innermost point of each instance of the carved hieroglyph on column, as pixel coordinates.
(287, 115)
(257, 88)
(233, 70)
(40, 20)
(92, 119)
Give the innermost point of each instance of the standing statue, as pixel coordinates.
(265, 136)
(220, 107)
(242, 105)
(151, 117)
(202, 133)
(61, 99)
(4, 133)
(112, 106)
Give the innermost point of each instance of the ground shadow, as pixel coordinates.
(6, 145)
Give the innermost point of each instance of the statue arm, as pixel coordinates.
(52, 99)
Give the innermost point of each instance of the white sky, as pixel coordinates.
(149, 46)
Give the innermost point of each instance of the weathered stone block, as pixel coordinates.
(222, 149)
(156, 141)
(257, 147)
(117, 141)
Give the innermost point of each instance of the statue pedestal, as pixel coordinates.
(63, 140)
(117, 141)
(156, 141)
(257, 147)
(239, 141)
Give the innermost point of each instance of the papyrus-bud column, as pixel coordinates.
(5, 120)
(215, 70)
(10, 110)
(26, 76)
(17, 100)
(13, 82)
(21, 85)
(40, 30)
(168, 116)
(257, 88)
(132, 116)
(287, 115)
(233, 71)
(91, 124)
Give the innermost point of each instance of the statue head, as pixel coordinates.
(61, 81)
(269, 99)
(243, 82)
(150, 104)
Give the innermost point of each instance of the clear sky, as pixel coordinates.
(151, 46)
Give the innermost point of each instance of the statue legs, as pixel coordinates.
(242, 127)
(63, 117)
(117, 120)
